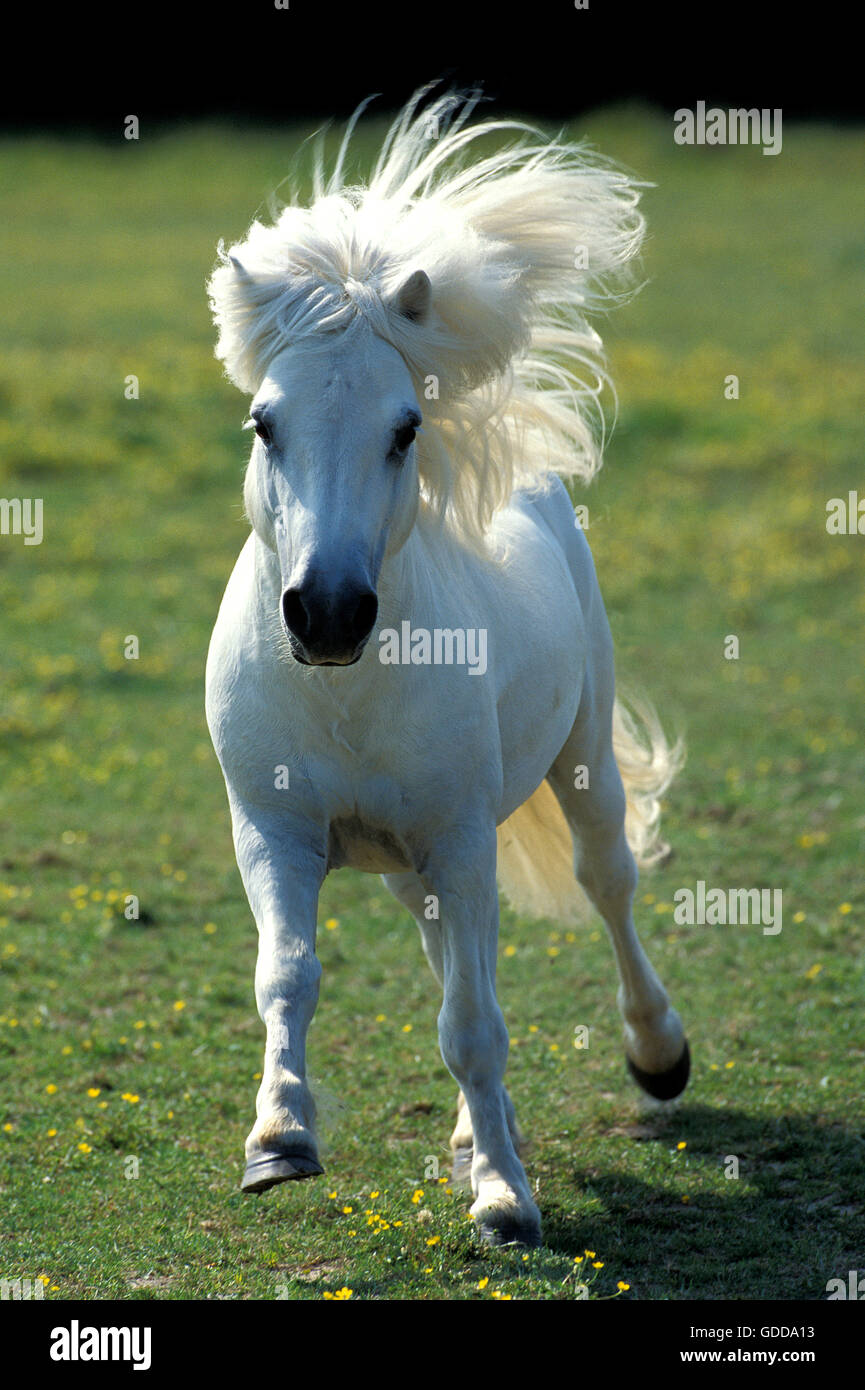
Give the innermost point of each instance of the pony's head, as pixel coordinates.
(450, 290)
(332, 485)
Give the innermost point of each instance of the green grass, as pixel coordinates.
(708, 520)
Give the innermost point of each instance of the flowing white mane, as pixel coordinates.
(519, 246)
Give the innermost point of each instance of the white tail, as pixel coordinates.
(535, 849)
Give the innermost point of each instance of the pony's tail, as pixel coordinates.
(535, 849)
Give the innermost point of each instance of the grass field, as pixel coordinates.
(138, 1040)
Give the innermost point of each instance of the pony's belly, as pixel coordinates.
(356, 844)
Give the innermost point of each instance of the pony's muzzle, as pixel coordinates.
(328, 629)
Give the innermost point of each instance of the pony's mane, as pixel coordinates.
(519, 245)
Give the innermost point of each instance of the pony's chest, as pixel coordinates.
(384, 784)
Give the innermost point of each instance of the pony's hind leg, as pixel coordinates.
(656, 1049)
(408, 889)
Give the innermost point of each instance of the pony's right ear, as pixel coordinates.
(413, 300)
(240, 270)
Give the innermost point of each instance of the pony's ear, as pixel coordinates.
(414, 298)
(240, 270)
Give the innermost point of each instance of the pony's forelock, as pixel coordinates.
(519, 245)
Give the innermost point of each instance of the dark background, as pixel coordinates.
(87, 69)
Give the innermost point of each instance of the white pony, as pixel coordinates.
(412, 665)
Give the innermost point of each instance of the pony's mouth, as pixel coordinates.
(303, 661)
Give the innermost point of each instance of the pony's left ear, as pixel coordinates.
(413, 300)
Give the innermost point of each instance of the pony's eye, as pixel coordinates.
(403, 438)
(262, 431)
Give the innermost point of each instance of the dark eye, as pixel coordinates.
(403, 438)
(262, 431)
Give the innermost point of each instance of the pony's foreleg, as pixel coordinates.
(472, 1033)
(282, 874)
(656, 1049)
(408, 889)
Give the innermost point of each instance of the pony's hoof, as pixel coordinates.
(462, 1169)
(663, 1085)
(268, 1169)
(525, 1234)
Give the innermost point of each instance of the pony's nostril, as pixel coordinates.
(364, 616)
(328, 627)
(295, 614)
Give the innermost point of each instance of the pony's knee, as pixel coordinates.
(287, 980)
(474, 1050)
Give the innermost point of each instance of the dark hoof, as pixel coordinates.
(462, 1169)
(267, 1169)
(663, 1085)
(521, 1233)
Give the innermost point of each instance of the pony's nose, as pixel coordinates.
(329, 628)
